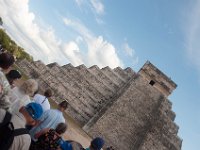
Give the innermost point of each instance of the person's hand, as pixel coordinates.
(37, 135)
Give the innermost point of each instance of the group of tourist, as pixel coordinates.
(26, 118)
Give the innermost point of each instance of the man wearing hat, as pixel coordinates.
(50, 119)
(27, 115)
(96, 144)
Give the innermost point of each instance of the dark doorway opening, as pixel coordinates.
(152, 82)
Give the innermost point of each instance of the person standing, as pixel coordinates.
(6, 61)
(43, 100)
(13, 135)
(20, 96)
(50, 119)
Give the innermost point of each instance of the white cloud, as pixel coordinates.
(98, 6)
(79, 2)
(130, 52)
(99, 20)
(99, 51)
(72, 52)
(95, 5)
(193, 35)
(20, 24)
(42, 43)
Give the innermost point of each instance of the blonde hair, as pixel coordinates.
(29, 87)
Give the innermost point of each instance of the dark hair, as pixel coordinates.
(61, 128)
(6, 60)
(63, 104)
(76, 145)
(13, 74)
(110, 148)
(48, 93)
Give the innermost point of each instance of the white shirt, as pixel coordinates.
(4, 91)
(18, 99)
(43, 101)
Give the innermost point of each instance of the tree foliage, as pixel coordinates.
(9, 45)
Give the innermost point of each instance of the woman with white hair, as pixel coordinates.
(20, 96)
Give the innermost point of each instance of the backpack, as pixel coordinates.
(8, 133)
(47, 141)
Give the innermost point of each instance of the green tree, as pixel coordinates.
(10, 45)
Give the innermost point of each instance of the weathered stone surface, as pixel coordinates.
(112, 76)
(141, 118)
(122, 73)
(130, 110)
(105, 79)
(95, 81)
(162, 82)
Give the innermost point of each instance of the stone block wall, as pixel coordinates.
(87, 90)
(161, 82)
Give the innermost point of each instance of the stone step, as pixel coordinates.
(72, 112)
(110, 103)
(171, 141)
(103, 89)
(130, 72)
(71, 82)
(52, 65)
(112, 76)
(171, 115)
(25, 66)
(102, 77)
(84, 84)
(167, 106)
(168, 123)
(72, 89)
(56, 81)
(40, 66)
(80, 107)
(75, 115)
(123, 74)
(79, 117)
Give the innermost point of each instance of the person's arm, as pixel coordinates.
(4, 92)
(37, 135)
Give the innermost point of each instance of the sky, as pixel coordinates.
(123, 33)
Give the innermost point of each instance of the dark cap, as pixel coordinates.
(97, 143)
